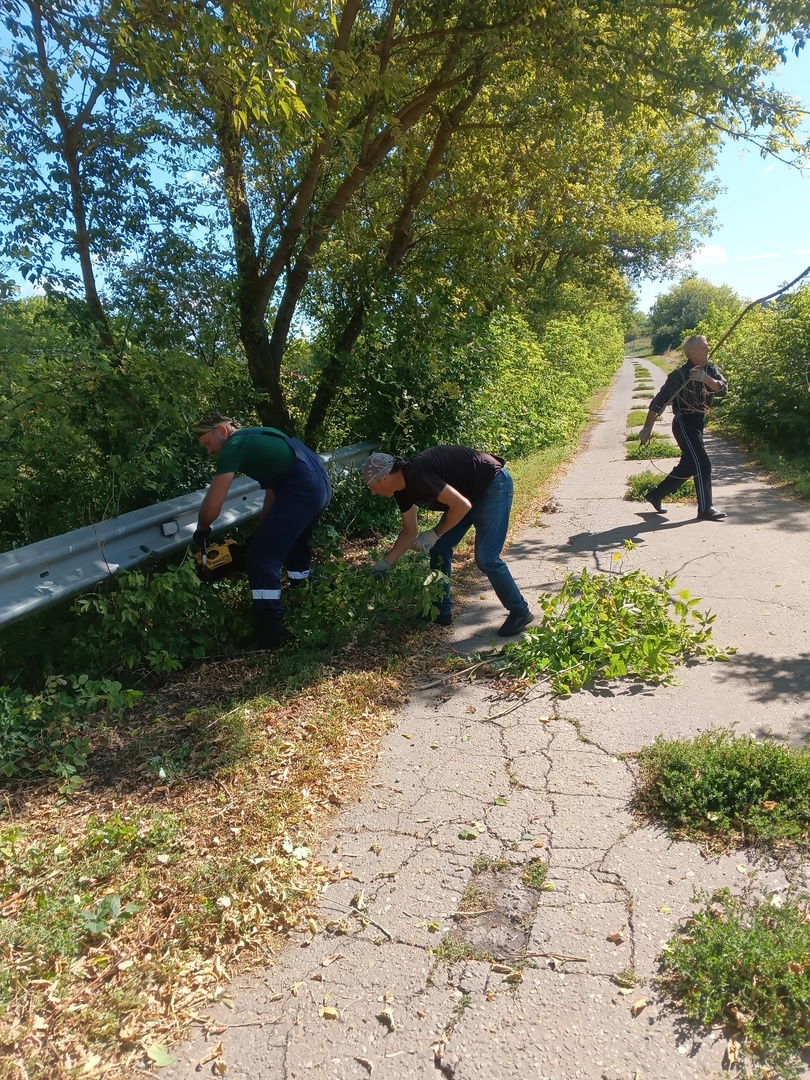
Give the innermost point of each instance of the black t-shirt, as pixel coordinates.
(470, 472)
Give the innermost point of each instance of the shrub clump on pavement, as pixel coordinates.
(726, 789)
(640, 484)
(743, 962)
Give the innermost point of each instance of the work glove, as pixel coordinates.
(645, 434)
(425, 541)
(201, 535)
(699, 374)
(380, 569)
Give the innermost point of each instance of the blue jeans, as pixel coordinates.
(490, 516)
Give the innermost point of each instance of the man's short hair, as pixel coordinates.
(690, 343)
(212, 421)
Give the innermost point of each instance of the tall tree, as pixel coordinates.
(305, 104)
(75, 140)
(681, 308)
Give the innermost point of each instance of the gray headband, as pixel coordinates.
(376, 467)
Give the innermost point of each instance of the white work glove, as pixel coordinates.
(645, 434)
(699, 374)
(380, 569)
(425, 541)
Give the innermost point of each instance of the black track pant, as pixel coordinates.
(688, 431)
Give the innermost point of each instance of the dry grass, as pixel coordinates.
(218, 867)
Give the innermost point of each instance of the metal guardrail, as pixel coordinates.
(61, 566)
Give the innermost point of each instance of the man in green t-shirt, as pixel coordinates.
(296, 493)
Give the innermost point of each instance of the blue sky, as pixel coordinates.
(761, 238)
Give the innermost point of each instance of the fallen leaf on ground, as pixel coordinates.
(638, 1007)
(159, 1055)
(386, 1018)
(367, 1065)
(732, 1055)
(217, 1052)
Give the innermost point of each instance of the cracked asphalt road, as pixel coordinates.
(545, 781)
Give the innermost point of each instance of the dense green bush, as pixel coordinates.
(46, 733)
(767, 363)
(741, 963)
(726, 788)
(490, 382)
(677, 312)
(536, 389)
(88, 435)
(154, 620)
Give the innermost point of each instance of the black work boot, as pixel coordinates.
(268, 634)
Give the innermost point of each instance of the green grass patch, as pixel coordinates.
(483, 864)
(636, 417)
(452, 948)
(655, 448)
(742, 962)
(726, 789)
(606, 627)
(640, 484)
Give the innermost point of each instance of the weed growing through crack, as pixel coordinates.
(725, 789)
(534, 873)
(484, 863)
(474, 898)
(655, 448)
(451, 949)
(742, 961)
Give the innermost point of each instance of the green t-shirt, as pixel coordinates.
(258, 453)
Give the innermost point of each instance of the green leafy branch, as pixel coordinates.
(607, 627)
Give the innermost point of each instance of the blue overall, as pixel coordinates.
(284, 535)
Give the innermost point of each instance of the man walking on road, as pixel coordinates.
(296, 493)
(472, 489)
(690, 389)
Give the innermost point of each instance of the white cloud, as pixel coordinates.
(756, 258)
(708, 255)
(801, 251)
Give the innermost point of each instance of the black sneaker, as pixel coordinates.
(712, 514)
(655, 502)
(516, 623)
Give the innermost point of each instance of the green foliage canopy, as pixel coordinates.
(766, 362)
(681, 309)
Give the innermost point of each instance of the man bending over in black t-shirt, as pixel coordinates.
(473, 489)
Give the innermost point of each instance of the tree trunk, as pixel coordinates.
(401, 234)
